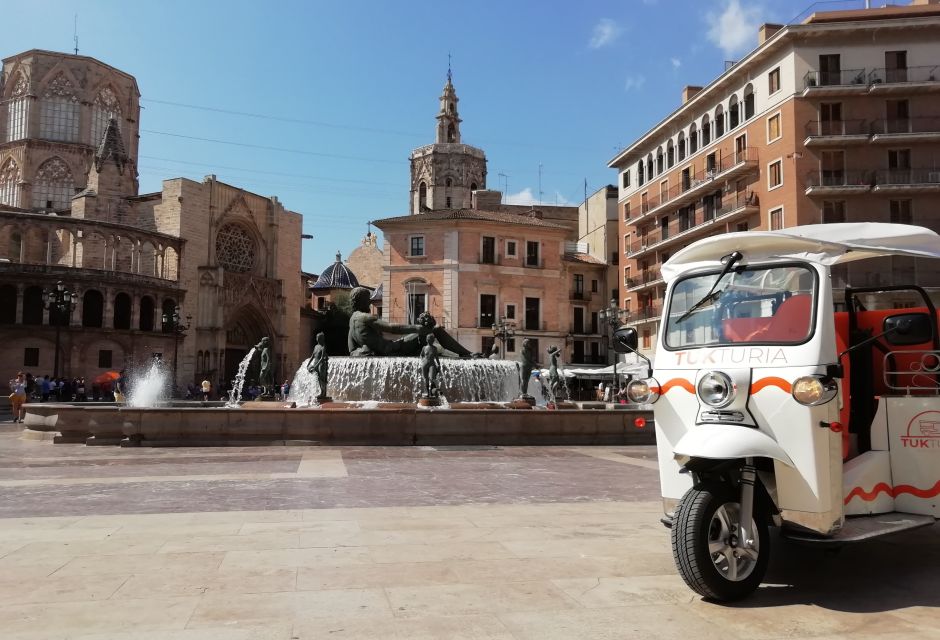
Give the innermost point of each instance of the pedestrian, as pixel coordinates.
(119, 388)
(285, 389)
(45, 386)
(206, 390)
(18, 397)
(80, 394)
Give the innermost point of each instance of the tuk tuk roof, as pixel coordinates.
(826, 244)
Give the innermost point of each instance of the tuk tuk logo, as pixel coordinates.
(923, 431)
(733, 355)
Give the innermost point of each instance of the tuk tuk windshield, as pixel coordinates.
(761, 305)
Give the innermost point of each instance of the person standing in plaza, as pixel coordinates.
(45, 386)
(18, 397)
(206, 390)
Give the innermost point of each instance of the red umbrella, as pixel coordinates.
(106, 379)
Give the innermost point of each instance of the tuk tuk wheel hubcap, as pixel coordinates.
(733, 562)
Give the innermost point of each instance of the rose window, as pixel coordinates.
(235, 249)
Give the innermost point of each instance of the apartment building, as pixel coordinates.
(834, 119)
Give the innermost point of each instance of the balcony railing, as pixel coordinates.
(703, 215)
(923, 124)
(488, 258)
(844, 77)
(907, 177)
(650, 312)
(533, 263)
(588, 358)
(582, 329)
(851, 127)
(644, 277)
(838, 178)
(692, 183)
(579, 295)
(927, 73)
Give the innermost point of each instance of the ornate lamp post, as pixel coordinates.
(60, 302)
(172, 324)
(503, 330)
(614, 316)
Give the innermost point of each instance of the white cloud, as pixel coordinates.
(734, 30)
(528, 197)
(634, 82)
(676, 62)
(605, 32)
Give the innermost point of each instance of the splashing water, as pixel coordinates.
(399, 380)
(235, 396)
(150, 386)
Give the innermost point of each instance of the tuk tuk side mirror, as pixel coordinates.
(908, 329)
(625, 341)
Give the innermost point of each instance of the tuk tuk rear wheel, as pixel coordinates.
(705, 547)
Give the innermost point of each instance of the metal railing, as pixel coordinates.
(843, 77)
(703, 215)
(489, 258)
(926, 73)
(850, 127)
(838, 178)
(650, 312)
(579, 295)
(922, 124)
(907, 176)
(920, 372)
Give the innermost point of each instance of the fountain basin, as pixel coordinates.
(341, 424)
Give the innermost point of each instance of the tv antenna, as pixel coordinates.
(505, 183)
(75, 33)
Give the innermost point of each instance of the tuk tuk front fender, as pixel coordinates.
(723, 442)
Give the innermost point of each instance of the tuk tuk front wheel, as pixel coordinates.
(706, 547)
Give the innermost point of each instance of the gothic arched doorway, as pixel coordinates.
(244, 330)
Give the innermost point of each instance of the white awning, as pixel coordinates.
(827, 244)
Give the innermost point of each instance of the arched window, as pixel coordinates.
(473, 186)
(748, 102)
(106, 106)
(448, 183)
(422, 196)
(649, 166)
(670, 154)
(640, 177)
(706, 130)
(10, 183)
(734, 112)
(719, 121)
(169, 306)
(451, 133)
(681, 146)
(92, 309)
(53, 186)
(59, 111)
(32, 305)
(693, 139)
(660, 167)
(146, 313)
(8, 304)
(122, 311)
(18, 110)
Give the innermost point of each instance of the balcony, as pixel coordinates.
(728, 167)
(906, 130)
(704, 217)
(645, 278)
(845, 82)
(648, 313)
(588, 358)
(922, 79)
(579, 295)
(583, 330)
(487, 257)
(907, 181)
(823, 133)
(534, 263)
(837, 183)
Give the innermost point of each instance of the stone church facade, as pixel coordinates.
(71, 211)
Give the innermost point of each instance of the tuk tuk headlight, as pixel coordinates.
(813, 390)
(643, 391)
(716, 389)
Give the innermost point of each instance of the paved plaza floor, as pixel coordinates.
(283, 543)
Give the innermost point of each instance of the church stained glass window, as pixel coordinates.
(59, 111)
(53, 186)
(18, 110)
(10, 183)
(235, 248)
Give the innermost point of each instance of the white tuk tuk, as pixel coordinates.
(777, 405)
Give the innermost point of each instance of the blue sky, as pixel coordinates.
(345, 90)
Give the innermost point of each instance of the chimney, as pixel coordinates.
(688, 92)
(486, 199)
(766, 31)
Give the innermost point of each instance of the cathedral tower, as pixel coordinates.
(444, 174)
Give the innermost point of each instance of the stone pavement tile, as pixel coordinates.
(417, 536)
(307, 557)
(751, 619)
(365, 576)
(155, 563)
(274, 515)
(265, 608)
(59, 589)
(602, 593)
(190, 583)
(7, 548)
(25, 534)
(401, 522)
(484, 571)
(10, 524)
(353, 513)
(184, 530)
(107, 547)
(647, 622)
(547, 519)
(274, 631)
(605, 547)
(231, 543)
(65, 619)
(394, 553)
(544, 533)
(467, 599)
(299, 526)
(479, 627)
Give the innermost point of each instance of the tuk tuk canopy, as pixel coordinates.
(827, 244)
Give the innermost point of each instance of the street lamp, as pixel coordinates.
(172, 324)
(60, 302)
(503, 330)
(614, 316)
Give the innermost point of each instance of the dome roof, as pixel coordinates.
(336, 276)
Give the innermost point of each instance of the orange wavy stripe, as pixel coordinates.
(681, 383)
(772, 381)
(894, 492)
